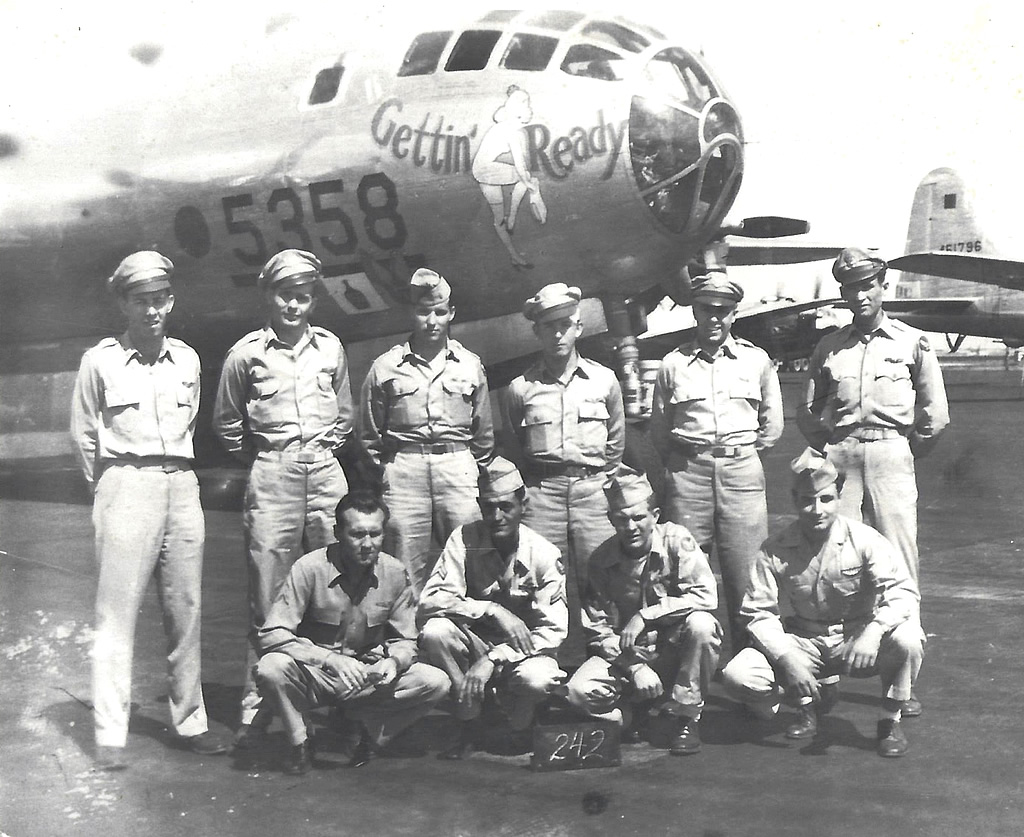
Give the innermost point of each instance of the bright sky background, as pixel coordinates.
(845, 107)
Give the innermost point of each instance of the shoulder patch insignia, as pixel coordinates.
(924, 344)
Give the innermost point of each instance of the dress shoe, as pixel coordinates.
(204, 744)
(249, 737)
(911, 708)
(892, 742)
(631, 735)
(464, 744)
(110, 759)
(363, 752)
(686, 741)
(806, 724)
(299, 759)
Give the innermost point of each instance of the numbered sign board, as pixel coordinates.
(575, 746)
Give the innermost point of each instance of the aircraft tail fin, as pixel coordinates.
(942, 221)
(942, 217)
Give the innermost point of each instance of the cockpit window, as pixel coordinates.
(674, 72)
(561, 21)
(593, 62)
(616, 35)
(499, 16)
(325, 87)
(422, 56)
(472, 51)
(528, 52)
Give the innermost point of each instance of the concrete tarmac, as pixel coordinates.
(962, 775)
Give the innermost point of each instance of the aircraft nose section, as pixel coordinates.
(686, 145)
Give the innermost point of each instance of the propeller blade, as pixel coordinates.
(768, 226)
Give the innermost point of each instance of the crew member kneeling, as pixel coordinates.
(648, 618)
(343, 630)
(855, 611)
(494, 608)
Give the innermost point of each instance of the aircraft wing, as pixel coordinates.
(774, 326)
(931, 306)
(744, 251)
(1001, 272)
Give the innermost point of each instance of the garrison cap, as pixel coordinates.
(552, 301)
(812, 471)
(627, 488)
(145, 270)
(427, 287)
(290, 267)
(855, 265)
(715, 286)
(499, 478)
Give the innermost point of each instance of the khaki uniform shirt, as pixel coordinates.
(731, 398)
(857, 577)
(577, 419)
(320, 611)
(406, 399)
(470, 574)
(124, 408)
(889, 378)
(672, 580)
(274, 397)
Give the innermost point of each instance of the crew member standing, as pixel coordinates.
(874, 401)
(717, 403)
(133, 415)
(425, 418)
(565, 427)
(284, 406)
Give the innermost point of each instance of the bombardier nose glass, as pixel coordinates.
(686, 145)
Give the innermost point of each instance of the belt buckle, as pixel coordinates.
(306, 457)
(719, 451)
(170, 467)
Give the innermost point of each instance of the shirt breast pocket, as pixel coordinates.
(847, 582)
(541, 431)
(593, 427)
(327, 398)
(893, 386)
(683, 398)
(123, 408)
(185, 404)
(261, 397)
(377, 614)
(747, 390)
(458, 402)
(402, 411)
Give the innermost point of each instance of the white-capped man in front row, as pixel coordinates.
(494, 609)
(342, 631)
(648, 616)
(854, 611)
